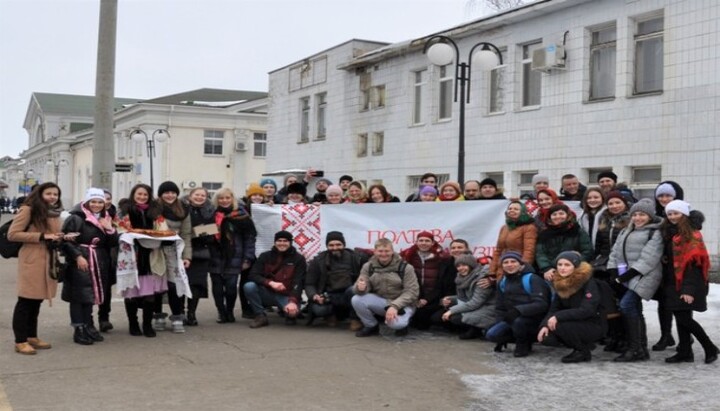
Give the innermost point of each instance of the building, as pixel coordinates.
(638, 94)
(216, 139)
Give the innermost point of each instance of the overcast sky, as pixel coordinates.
(169, 46)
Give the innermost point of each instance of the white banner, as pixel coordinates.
(477, 222)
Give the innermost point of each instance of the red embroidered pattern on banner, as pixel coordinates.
(303, 221)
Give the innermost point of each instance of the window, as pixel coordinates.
(211, 187)
(321, 109)
(304, 119)
(445, 94)
(649, 56)
(414, 181)
(531, 80)
(378, 96)
(497, 88)
(602, 63)
(419, 85)
(593, 174)
(525, 182)
(499, 178)
(644, 180)
(362, 144)
(259, 144)
(214, 142)
(365, 81)
(378, 142)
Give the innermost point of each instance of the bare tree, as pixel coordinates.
(472, 6)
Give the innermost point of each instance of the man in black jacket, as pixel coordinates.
(330, 277)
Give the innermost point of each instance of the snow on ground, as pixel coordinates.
(542, 382)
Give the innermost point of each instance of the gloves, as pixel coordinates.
(613, 274)
(629, 275)
(511, 315)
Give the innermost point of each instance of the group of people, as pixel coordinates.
(556, 277)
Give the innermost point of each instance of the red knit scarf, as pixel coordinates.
(689, 252)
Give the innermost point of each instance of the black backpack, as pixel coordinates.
(8, 249)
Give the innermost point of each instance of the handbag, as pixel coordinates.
(58, 266)
(600, 263)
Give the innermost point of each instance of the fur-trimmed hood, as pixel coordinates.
(567, 286)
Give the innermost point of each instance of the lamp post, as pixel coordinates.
(158, 135)
(56, 167)
(441, 51)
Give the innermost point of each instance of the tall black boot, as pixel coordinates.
(131, 308)
(190, 318)
(81, 336)
(644, 339)
(148, 308)
(665, 317)
(634, 352)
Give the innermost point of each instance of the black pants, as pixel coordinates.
(686, 325)
(224, 291)
(25, 319)
(422, 319)
(80, 314)
(105, 308)
(577, 335)
(455, 323)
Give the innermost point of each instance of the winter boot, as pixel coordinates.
(176, 322)
(471, 334)
(644, 339)
(81, 336)
(158, 321)
(190, 318)
(147, 325)
(576, 356)
(131, 308)
(93, 333)
(634, 352)
(665, 318)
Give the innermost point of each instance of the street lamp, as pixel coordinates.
(56, 167)
(158, 135)
(441, 51)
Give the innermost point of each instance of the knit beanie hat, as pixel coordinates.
(466, 259)
(537, 178)
(254, 188)
(428, 190)
(618, 195)
(345, 178)
(266, 181)
(558, 207)
(573, 256)
(283, 235)
(334, 189)
(680, 206)
(511, 254)
(488, 182)
(323, 180)
(297, 188)
(425, 234)
(94, 194)
(334, 236)
(645, 205)
(168, 186)
(665, 188)
(607, 174)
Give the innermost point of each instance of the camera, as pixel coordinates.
(319, 173)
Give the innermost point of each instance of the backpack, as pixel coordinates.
(400, 271)
(527, 284)
(8, 249)
(607, 305)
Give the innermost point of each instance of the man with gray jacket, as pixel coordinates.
(386, 287)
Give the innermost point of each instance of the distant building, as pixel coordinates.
(638, 95)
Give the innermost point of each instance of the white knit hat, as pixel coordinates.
(94, 194)
(680, 206)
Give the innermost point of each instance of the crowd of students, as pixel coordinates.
(554, 277)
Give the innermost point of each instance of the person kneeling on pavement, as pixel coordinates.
(276, 280)
(473, 308)
(522, 301)
(574, 319)
(329, 282)
(387, 287)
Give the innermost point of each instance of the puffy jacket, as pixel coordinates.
(641, 249)
(476, 304)
(552, 242)
(235, 246)
(513, 295)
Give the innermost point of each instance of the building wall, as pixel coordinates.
(674, 129)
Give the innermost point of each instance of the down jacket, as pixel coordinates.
(641, 249)
(513, 295)
(386, 282)
(476, 304)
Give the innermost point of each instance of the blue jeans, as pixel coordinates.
(523, 330)
(631, 304)
(260, 297)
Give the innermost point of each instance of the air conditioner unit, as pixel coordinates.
(189, 184)
(550, 57)
(240, 146)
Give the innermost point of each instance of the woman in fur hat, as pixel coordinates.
(574, 319)
(686, 285)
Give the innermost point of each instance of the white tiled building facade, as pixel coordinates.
(640, 95)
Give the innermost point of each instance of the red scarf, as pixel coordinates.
(689, 252)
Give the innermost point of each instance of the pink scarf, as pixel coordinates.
(90, 218)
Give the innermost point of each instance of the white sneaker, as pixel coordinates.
(158, 324)
(177, 327)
